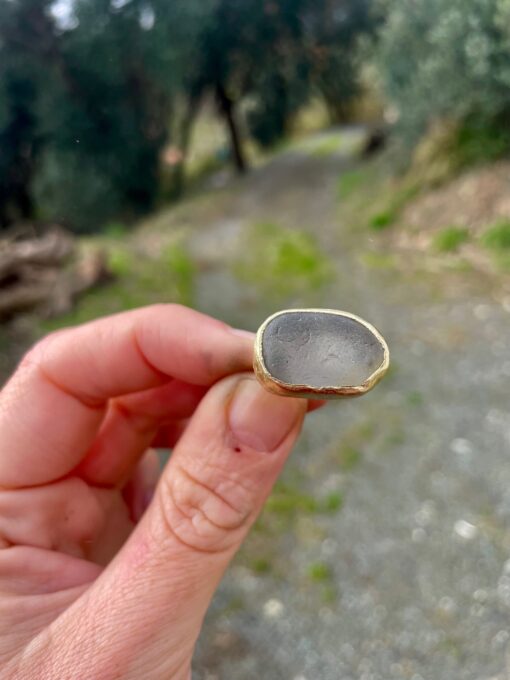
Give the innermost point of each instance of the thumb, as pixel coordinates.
(150, 602)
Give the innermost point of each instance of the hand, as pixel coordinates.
(86, 592)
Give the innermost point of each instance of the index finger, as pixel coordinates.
(52, 407)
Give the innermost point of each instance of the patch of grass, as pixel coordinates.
(348, 454)
(115, 230)
(329, 594)
(449, 239)
(497, 237)
(261, 565)
(386, 217)
(184, 270)
(382, 219)
(415, 398)
(333, 502)
(319, 572)
(348, 457)
(350, 182)
(395, 438)
(328, 146)
(375, 260)
(288, 502)
(120, 261)
(282, 261)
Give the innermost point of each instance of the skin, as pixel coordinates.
(107, 567)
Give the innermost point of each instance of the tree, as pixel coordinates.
(23, 36)
(456, 66)
(101, 92)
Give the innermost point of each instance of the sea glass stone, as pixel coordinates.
(320, 353)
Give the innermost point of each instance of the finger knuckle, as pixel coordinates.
(207, 513)
(36, 354)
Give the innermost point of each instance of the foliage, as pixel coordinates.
(456, 66)
(449, 239)
(87, 104)
(90, 95)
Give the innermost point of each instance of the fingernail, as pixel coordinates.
(262, 420)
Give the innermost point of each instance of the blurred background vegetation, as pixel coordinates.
(100, 99)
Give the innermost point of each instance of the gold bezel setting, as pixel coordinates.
(308, 391)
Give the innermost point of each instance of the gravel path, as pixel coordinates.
(409, 577)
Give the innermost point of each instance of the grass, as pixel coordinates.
(282, 262)
(497, 237)
(396, 203)
(415, 398)
(138, 281)
(350, 182)
(378, 260)
(289, 501)
(329, 146)
(319, 572)
(348, 457)
(480, 143)
(333, 502)
(349, 453)
(449, 239)
(261, 565)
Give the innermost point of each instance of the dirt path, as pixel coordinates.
(385, 552)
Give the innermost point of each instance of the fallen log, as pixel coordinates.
(46, 274)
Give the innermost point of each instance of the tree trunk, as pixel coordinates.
(183, 139)
(227, 108)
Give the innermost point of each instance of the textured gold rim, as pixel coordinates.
(331, 392)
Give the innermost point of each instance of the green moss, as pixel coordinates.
(319, 572)
(282, 261)
(449, 240)
(497, 237)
